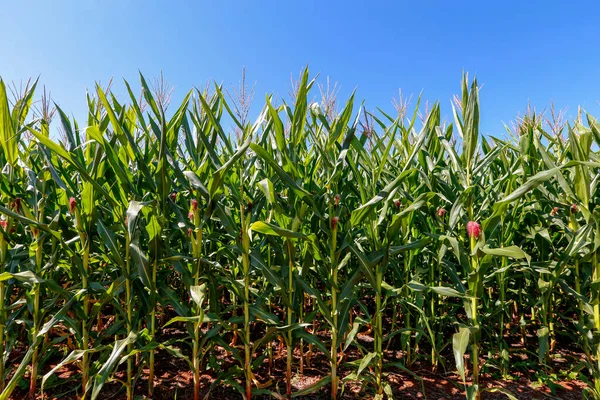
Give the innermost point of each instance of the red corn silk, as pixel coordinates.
(336, 200)
(72, 204)
(473, 229)
(334, 222)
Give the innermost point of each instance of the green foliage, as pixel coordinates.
(299, 222)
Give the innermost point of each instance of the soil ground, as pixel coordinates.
(173, 380)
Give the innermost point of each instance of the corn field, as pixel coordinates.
(282, 241)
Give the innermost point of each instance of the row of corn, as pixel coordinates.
(288, 239)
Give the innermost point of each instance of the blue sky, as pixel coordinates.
(521, 51)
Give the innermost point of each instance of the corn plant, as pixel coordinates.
(292, 238)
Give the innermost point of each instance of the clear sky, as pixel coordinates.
(520, 50)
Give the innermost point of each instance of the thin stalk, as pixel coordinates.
(290, 312)
(129, 305)
(270, 348)
(246, 270)
(85, 245)
(578, 290)
(573, 224)
(474, 316)
(407, 322)
(36, 316)
(552, 335)
(432, 302)
(503, 347)
(596, 269)
(596, 276)
(301, 318)
(501, 283)
(84, 328)
(474, 292)
(334, 294)
(378, 336)
(162, 196)
(3, 254)
(153, 318)
(197, 248)
(247, 352)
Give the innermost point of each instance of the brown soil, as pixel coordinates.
(173, 380)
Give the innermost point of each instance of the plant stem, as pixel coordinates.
(197, 249)
(36, 318)
(432, 301)
(596, 276)
(290, 312)
(3, 254)
(474, 316)
(129, 305)
(246, 269)
(334, 328)
(378, 337)
(86, 302)
(153, 300)
(503, 347)
(407, 334)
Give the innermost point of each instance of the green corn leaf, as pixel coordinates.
(219, 175)
(111, 242)
(274, 230)
(386, 194)
(267, 188)
(73, 356)
(108, 367)
(198, 293)
(544, 343)
(509, 251)
(8, 136)
(470, 123)
(197, 184)
(194, 319)
(364, 363)
(142, 264)
(291, 183)
(460, 340)
(29, 222)
(531, 184)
